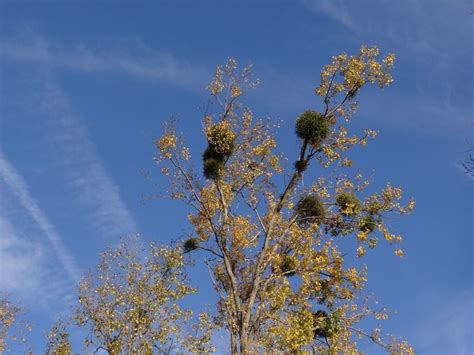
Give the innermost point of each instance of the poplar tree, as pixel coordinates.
(13, 327)
(131, 305)
(272, 230)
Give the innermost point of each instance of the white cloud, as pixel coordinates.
(29, 269)
(134, 59)
(20, 189)
(21, 260)
(76, 154)
(75, 151)
(334, 9)
(433, 45)
(436, 32)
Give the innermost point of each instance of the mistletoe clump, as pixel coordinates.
(312, 127)
(367, 224)
(288, 265)
(348, 203)
(285, 265)
(221, 144)
(301, 165)
(221, 138)
(190, 245)
(310, 209)
(212, 168)
(324, 325)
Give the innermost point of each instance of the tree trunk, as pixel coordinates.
(244, 339)
(233, 342)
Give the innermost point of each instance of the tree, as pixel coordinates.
(131, 304)
(8, 315)
(273, 241)
(12, 326)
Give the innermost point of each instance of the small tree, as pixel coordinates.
(260, 224)
(8, 314)
(12, 326)
(130, 305)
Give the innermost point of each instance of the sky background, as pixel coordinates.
(85, 88)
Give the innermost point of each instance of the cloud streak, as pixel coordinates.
(134, 59)
(433, 45)
(334, 9)
(76, 153)
(20, 189)
(21, 260)
(442, 31)
(29, 267)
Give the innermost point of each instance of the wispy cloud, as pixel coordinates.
(134, 59)
(21, 260)
(418, 26)
(76, 154)
(29, 267)
(20, 189)
(433, 45)
(335, 9)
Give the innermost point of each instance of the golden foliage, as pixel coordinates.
(12, 325)
(245, 216)
(130, 304)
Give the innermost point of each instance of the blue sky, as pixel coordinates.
(85, 88)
